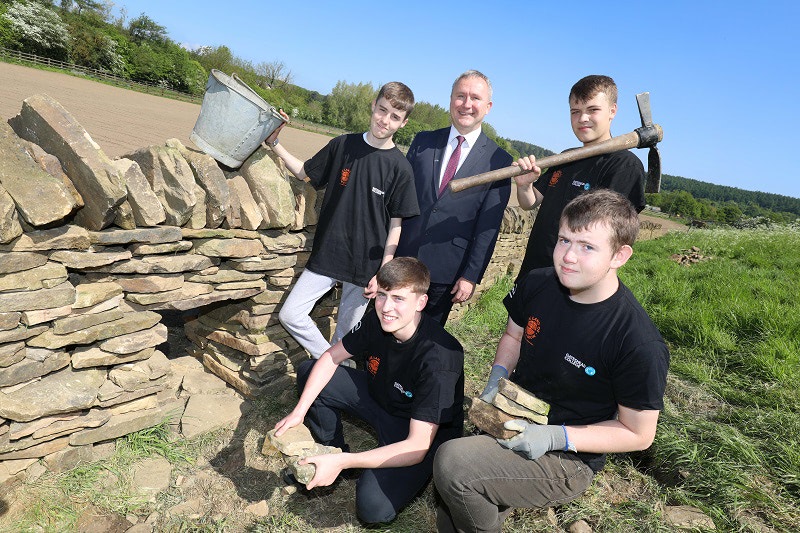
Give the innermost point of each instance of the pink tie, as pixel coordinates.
(452, 165)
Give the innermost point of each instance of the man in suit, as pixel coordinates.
(455, 233)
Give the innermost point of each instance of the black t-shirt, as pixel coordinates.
(586, 359)
(421, 378)
(366, 187)
(619, 171)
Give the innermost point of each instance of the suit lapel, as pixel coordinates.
(474, 157)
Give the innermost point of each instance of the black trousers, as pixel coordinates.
(380, 492)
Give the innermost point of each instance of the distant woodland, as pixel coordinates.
(86, 33)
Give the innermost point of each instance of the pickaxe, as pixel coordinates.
(645, 137)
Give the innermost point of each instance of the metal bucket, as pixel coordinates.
(234, 120)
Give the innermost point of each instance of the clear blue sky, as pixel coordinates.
(723, 76)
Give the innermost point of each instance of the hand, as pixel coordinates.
(534, 440)
(289, 421)
(328, 467)
(371, 290)
(531, 171)
(274, 134)
(490, 391)
(462, 290)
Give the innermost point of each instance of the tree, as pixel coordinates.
(145, 29)
(36, 29)
(273, 75)
(348, 106)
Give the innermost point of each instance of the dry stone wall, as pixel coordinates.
(95, 252)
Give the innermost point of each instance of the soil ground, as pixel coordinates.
(232, 474)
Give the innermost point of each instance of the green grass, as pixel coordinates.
(728, 440)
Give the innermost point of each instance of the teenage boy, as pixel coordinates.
(411, 393)
(576, 338)
(592, 107)
(369, 190)
(456, 232)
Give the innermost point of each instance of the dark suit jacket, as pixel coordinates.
(454, 235)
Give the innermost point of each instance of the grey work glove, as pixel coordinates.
(490, 391)
(534, 440)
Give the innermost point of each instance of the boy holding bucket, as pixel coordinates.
(369, 190)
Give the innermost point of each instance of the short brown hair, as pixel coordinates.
(587, 88)
(603, 206)
(399, 95)
(402, 272)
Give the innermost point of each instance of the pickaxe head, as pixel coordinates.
(649, 135)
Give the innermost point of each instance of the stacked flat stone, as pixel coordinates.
(511, 402)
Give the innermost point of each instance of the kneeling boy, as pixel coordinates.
(411, 393)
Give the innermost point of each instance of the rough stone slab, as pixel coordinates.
(52, 166)
(82, 260)
(165, 248)
(40, 450)
(67, 237)
(28, 183)
(9, 320)
(139, 404)
(172, 180)
(249, 215)
(145, 206)
(128, 324)
(264, 264)
(110, 237)
(89, 294)
(231, 341)
(202, 382)
(224, 275)
(124, 216)
(258, 284)
(19, 261)
(111, 394)
(63, 391)
(490, 419)
(197, 219)
(59, 425)
(204, 299)
(688, 517)
(269, 297)
(11, 353)
(20, 333)
(104, 305)
(68, 458)
(71, 324)
(514, 392)
(267, 178)
(286, 243)
(10, 227)
(128, 378)
(91, 357)
(512, 408)
(306, 212)
(305, 473)
(151, 476)
(33, 279)
(245, 387)
(161, 265)
(28, 369)
(211, 178)
(209, 233)
(136, 342)
(45, 122)
(58, 296)
(150, 283)
(117, 426)
(186, 291)
(295, 441)
(31, 318)
(205, 413)
(228, 247)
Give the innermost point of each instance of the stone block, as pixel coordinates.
(514, 392)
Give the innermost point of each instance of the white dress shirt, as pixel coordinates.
(469, 141)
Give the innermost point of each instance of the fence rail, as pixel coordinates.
(25, 58)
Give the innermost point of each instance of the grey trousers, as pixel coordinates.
(310, 287)
(479, 482)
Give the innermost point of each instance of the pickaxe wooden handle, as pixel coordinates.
(639, 138)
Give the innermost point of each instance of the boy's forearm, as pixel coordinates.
(632, 431)
(528, 197)
(406, 452)
(392, 239)
(294, 165)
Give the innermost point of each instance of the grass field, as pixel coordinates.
(728, 440)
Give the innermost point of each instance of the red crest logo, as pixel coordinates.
(373, 362)
(532, 328)
(554, 178)
(344, 177)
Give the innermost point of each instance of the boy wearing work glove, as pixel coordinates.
(576, 338)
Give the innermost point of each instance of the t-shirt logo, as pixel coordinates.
(373, 362)
(344, 177)
(532, 329)
(555, 177)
